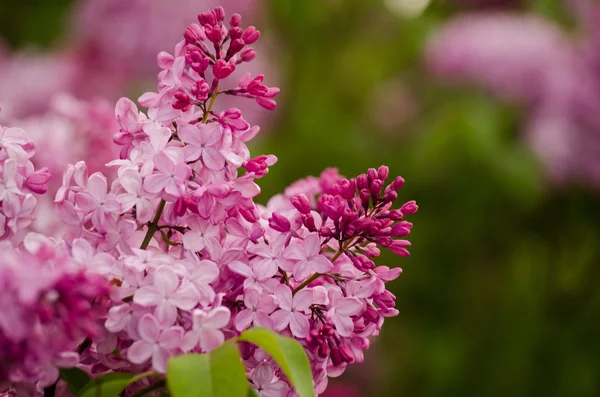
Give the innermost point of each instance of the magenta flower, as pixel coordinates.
(309, 258)
(206, 330)
(166, 295)
(291, 310)
(155, 343)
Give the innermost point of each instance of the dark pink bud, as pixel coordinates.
(179, 208)
(336, 357)
(193, 33)
(301, 203)
(362, 263)
(279, 223)
(385, 300)
(207, 18)
(36, 181)
(222, 69)
(219, 13)
(183, 103)
(236, 33)
(235, 46)
(256, 88)
(251, 34)
(375, 188)
(248, 54)
(200, 90)
(371, 314)
(213, 33)
(398, 247)
(346, 188)
(236, 20)
(409, 208)
(390, 196)
(266, 103)
(309, 222)
(395, 215)
(372, 174)
(323, 350)
(346, 354)
(365, 198)
(326, 232)
(383, 172)
(362, 182)
(401, 229)
(398, 183)
(251, 215)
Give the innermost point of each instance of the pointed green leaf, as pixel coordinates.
(219, 373)
(75, 378)
(288, 353)
(110, 384)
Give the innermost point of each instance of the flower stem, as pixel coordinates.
(156, 385)
(153, 226)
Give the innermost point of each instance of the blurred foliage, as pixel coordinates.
(500, 296)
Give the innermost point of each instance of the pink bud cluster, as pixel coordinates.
(194, 261)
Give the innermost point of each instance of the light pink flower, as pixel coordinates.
(341, 311)
(155, 343)
(203, 143)
(167, 295)
(308, 255)
(206, 331)
(169, 175)
(266, 384)
(96, 201)
(292, 310)
(258, 308)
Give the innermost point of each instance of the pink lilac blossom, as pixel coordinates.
(522, 57)
(191, 259)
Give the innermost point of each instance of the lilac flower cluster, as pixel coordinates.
(193, 261)
(19, 181)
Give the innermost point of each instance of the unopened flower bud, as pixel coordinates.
(279, 223)
(301, 203)
(222, 69)
(409, 208)
(247, 54)
(383, 172)
(193, 33)
(251, 34)
(236, 20)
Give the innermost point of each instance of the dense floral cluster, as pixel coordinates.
(19, 181)
(192, 260)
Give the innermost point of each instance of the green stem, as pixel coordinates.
(153, 226)
(213, 98)
(156, 385)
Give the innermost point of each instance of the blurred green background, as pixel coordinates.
(500, 295)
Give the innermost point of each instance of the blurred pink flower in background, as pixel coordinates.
(524, 58)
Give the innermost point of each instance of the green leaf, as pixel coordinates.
(75, 378)
(288, 353)
(219, 373)
(110, 384)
